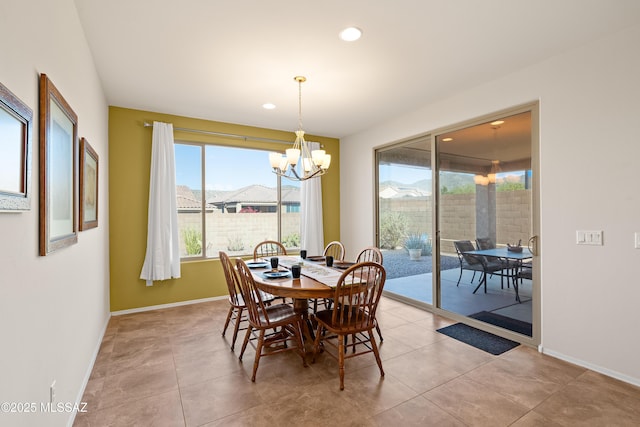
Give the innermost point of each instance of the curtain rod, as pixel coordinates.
(228, 135)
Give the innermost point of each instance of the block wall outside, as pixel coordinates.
(457, 221)
(458, 216)
(246, 228)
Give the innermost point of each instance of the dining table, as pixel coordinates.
(506, 254)
(316, 281)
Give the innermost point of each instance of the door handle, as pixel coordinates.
(533, 245)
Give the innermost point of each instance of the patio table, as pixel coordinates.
(504, 253)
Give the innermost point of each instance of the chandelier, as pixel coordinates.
(300, 163)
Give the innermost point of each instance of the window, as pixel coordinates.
(232, 195)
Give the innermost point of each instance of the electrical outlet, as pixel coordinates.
(52, 392)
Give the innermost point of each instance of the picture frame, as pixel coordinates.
(88, 186)
(58, 165)
(16, 124)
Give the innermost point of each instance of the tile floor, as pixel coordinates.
(172, 367)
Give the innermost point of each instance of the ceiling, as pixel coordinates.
(222, 60)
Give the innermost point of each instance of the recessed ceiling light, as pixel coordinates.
(497, 123)
(447, 139)
(268, 106)
(350, 34)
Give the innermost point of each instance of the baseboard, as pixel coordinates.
(592, 367)
(87, 374)
(170, 305)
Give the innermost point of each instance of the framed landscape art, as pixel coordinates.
(88, 186)
(15, 152)
(58, 178)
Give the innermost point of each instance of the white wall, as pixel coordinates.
(53, 309)
(589, 150)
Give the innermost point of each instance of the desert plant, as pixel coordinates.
(419, 241)
(192, 241)
(414, 241)
(291, 241)
(235, 244)
(393, 227)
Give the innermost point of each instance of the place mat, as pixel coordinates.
(276, 274)
(477, 338)
(342, 265)
(258, 264)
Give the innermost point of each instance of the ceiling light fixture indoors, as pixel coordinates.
(350, 34)
(300, 163)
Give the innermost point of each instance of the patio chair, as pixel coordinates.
(356, 297)
(476, 263)
(510, 265)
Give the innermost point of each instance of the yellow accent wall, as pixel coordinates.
(129, 165)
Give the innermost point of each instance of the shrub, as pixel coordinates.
(291, 241)
(235, 244)
(192, 241)
(393, 227)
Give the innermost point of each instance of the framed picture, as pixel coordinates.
(15, 152)
(88, 186)
(58, 177)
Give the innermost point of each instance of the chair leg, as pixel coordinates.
(376, 353)
(460, 277)
(378, 331)
(226, 323)
(236, 327)
(245, 342)
(256, 361)
(341, 360)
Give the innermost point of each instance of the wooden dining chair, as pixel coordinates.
(236, 302)
(282, 322)
(336, 250)
(370, 254)
(375, 255)
(356, 299)
(268, 248)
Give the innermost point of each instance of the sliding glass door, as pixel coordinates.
(442, 198)
(405, 212)
(485, 214)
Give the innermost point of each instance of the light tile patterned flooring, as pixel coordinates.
(172, 367)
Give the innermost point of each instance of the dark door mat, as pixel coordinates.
(504, 322)
(479, 339)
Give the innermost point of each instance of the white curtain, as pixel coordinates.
(162, 260)
(311, 229)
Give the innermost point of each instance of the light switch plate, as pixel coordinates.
(589, 237)
(637, 240)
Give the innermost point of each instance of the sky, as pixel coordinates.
(226, 170)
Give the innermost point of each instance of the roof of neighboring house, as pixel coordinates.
(253, 194)
(186, 199)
